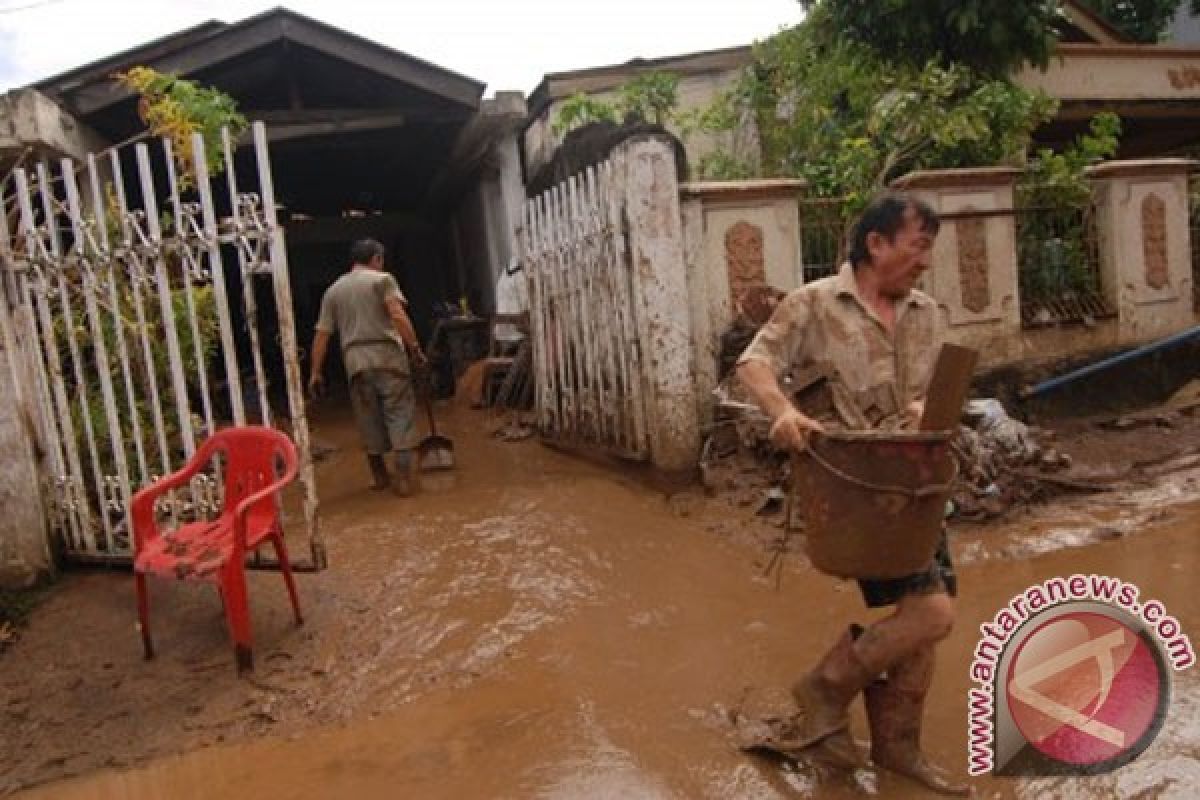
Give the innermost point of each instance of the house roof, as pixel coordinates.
(352, 123)
(89, 89)
(1093, 25)
(141, 54)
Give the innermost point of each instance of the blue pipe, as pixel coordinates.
(1120, 358)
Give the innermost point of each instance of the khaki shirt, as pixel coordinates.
(840, 361)
(355, 308)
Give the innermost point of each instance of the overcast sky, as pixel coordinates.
(509, 44)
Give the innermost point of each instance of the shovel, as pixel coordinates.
(433, 452)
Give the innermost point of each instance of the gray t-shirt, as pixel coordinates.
(354, 308)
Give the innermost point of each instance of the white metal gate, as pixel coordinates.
(120, 309)
(587, 358)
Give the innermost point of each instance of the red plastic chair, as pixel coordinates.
(215, 551)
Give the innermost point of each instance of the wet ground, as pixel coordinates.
(534, 627)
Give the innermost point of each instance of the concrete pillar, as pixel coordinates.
(1145, 245)
(24, 543)
(494, 240)
(739, 235)
(974, 273)
(512, 189)
(660, 280)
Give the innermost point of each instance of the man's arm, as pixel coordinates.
(404, 327)
(789, 427)
(320, 347)
(759, 367)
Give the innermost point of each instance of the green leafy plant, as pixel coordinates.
(832, 111)
(175, 108)
(651, 96)
(985, 35)
(581, 109)
(1055, 222)
(151, 329)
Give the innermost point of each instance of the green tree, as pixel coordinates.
(987, 35)
(830, 109)
(581, 109)
(1054, 236)
(651, 96)
(1141, 20)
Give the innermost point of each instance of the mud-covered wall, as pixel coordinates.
(24, 550)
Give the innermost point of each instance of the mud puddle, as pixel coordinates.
(543, 629)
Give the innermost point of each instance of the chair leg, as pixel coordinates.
(143, 603)
(285, 566)
(237, 614)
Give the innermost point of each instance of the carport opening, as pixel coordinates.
(364, 142)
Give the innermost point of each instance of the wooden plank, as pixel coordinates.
(948, 387)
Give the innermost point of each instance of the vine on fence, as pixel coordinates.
(175, 108)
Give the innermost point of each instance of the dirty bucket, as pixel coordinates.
(873, 502)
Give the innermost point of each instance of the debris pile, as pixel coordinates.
(1003, 463)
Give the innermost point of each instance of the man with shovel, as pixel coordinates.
(860, 345)
(366, 310)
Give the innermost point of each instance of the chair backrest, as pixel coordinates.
(255, 457)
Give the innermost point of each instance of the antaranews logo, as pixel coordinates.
(1073, 678)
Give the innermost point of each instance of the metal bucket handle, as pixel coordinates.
(916, 494)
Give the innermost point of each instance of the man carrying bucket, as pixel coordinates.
(864, 341)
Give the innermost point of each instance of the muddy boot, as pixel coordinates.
(894, 709)
(824, 696)
(379, 474)
(404, 484)
(837, 750)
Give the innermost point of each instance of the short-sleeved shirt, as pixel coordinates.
(838, 355)
(355, 308)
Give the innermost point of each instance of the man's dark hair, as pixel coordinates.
(885, 215)
(362, 251)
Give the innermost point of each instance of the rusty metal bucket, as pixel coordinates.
(872, 502)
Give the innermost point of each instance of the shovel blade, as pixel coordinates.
(435, 452)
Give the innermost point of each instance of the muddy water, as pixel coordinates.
(540, 628)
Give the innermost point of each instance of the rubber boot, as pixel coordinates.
(379, 474)
(894, 709)
(404, 484)
(820, 729)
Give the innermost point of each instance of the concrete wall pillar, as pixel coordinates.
(1145, 245)
(24, 537)
(974, 272)
(494, 240)
(739, 236)
(512, 190)
(660, 282)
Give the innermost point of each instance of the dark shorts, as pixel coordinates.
(938, 578)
